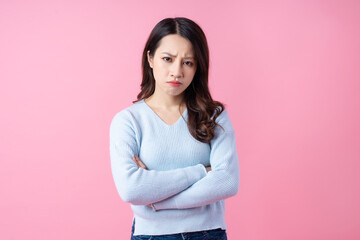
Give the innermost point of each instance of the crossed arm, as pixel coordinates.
(221, 181)
(137, 185)
(140, 164)
(181, 188)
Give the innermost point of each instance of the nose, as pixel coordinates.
(176, 70)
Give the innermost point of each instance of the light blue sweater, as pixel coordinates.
(185, 197)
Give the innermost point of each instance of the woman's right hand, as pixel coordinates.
(138, 162)
(208, 169)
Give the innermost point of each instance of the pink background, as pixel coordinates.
(288, 71)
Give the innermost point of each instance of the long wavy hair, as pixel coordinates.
(202, 109)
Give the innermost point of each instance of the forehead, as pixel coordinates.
(175, 44)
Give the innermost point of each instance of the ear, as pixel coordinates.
(150, 59)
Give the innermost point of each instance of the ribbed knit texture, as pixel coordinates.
(185, 198)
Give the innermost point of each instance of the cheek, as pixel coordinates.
(191, 73)
(160, 69)
(157, 71)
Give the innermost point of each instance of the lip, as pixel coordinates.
(174, 83)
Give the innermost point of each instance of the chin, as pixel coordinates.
(175, 94)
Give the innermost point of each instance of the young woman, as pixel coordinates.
(173, 152)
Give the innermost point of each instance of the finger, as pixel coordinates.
(140, 162)
(136, 161)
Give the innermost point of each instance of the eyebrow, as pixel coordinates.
(171, 55)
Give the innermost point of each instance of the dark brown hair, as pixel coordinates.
(202, 109)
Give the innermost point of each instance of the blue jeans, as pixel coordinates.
(215, 234)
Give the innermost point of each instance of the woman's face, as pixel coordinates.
(173, 65)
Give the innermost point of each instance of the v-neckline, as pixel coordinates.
(161, 120)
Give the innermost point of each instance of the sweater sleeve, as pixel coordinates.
(221, 182)
(139, 186)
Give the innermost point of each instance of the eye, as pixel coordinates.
(167, 59)
(188, 63)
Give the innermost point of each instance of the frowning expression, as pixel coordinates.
(174, 65)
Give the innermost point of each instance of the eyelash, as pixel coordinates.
(166, 59)
(188, 63)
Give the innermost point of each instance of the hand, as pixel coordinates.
(208, 169)
(138, 162)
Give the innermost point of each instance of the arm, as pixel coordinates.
(137, 185)
(223, 179)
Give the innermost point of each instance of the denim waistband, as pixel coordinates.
(219, 233)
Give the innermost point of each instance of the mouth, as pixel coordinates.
(174, 83)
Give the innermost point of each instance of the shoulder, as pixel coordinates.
(129, 113)
(224, 132)
(224, 121)
(127, 116)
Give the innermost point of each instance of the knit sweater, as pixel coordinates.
(185, 198)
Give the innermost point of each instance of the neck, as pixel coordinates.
(166, 102)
